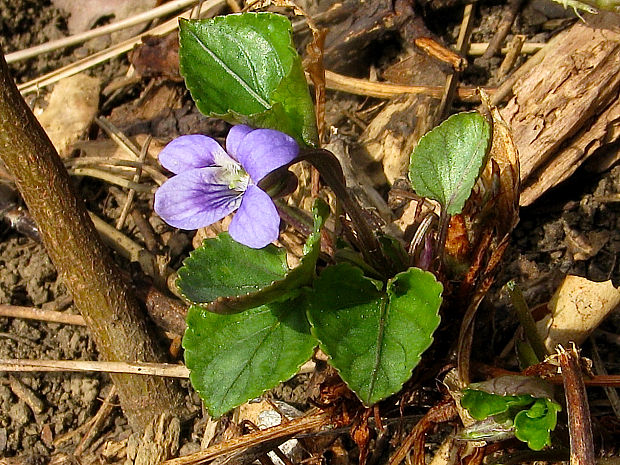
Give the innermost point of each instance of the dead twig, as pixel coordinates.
(508, 17)
(579, 423)
(256, 440)
(167, 370)
(462, 45)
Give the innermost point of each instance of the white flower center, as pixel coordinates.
(232, 173)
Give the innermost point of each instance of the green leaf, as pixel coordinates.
(534, 425)
(222, 268)
(448, 159)
(234, 358)
(481, 405)
(374, 338)
(518, 405)
(244, 68)
(228, 277)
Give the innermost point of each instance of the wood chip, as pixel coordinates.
(577, 308)
(562, 107)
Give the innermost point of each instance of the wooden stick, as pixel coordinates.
(335, 81)
(75, 39)
(508, 17)
(462, 45)
(111, 52)
(167, 370)
(579, 423)
(113, 315)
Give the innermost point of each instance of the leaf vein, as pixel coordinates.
(234, 75)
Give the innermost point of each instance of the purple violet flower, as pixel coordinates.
(210, 183)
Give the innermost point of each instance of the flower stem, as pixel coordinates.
(331, 172)
(112, 314)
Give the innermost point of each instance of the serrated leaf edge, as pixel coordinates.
(447, 203)
(192, 373)
(320, 212)
(232, 116)
(384, 297)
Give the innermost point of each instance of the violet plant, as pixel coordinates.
(253, 321)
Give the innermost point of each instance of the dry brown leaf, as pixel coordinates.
(72, 107)
(503, 168)
(577, 308)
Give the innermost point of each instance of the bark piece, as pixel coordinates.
(563, 106)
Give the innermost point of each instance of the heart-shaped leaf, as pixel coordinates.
(374, 338)
(234, 358)
(448, 159)
(244, 68)
(225, 276)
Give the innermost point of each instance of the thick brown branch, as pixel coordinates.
(111, 313)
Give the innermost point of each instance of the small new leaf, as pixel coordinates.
(518, 406)
(482, 405)
(535, 425)
(448, 159)
(374, 338)
(244, 68)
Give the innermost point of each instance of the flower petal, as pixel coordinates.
(189, 152)
(196, 198)
(264, 150)
(256, 223)
(234, 138)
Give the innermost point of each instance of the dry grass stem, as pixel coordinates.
(117, 136)
(211, 6)
(31, 313)
(528, 48)
(335, 81)
(167, 370)
(75, 39)
(109, 176)
(132, 192)
(153, 172)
